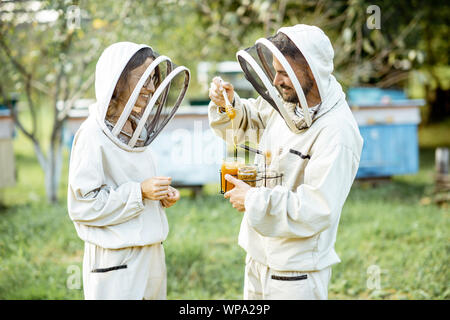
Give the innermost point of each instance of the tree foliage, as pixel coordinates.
(48, 48)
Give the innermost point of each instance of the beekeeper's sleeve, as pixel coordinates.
(249, 123)
(91, 201)
(314, 206)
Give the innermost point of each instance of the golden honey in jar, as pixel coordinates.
(248, 175)
(229, 166)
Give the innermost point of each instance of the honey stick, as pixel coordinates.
(230, 166)
(231, 113)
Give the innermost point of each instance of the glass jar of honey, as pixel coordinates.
(248, 174)
(231, 167)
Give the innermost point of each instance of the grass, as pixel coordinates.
(387, 226)
(435, 135)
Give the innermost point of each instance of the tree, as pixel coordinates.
(413, 36)
(46, 56)
(48, 51)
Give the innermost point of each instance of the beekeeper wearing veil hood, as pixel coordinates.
(302, 118)
(115, 197)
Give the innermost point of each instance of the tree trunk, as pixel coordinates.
(52, 174)
(441, 192)
(51, 165)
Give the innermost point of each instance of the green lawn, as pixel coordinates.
(387, 226)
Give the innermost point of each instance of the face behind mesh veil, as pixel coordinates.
(166, 99)
(256, 75)
(257, 62)
(157, 88)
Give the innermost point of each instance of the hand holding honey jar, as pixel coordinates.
(229, 166)
(238, 169)
(236, 177)
(238, 193)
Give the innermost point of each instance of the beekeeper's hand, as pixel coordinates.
(215, 94)
(155, 188)
(238, 193)
(172, 197)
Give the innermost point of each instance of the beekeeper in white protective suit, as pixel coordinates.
(115, 197)
(302, 118)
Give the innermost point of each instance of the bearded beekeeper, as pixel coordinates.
(303, 119)
(115, 197)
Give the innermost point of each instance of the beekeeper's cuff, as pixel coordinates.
(137, 195)
(250, 199)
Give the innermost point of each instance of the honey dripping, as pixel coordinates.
(268, 157)
(231, 113)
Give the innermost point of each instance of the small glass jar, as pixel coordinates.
(269, 179)
(248, 174)
(229, 166)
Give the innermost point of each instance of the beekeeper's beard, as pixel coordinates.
(293, 98)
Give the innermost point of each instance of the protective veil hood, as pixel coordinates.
(173, 81)
(311, 41)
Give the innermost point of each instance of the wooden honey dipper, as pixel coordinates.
(229, 109)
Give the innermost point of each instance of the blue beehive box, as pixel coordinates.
(388, 123)
(7, 126)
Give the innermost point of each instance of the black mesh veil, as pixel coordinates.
(257, 63)
(168, 99)
(163, 86)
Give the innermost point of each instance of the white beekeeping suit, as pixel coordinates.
(289, 231)
(123, 232)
